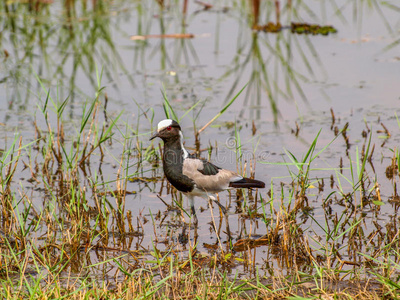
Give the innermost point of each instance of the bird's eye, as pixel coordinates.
(169, 128)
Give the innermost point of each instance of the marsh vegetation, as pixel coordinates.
(301, 95)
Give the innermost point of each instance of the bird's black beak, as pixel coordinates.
(154, 136)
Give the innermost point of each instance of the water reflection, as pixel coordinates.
(62, 45)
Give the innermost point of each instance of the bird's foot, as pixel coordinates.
(183, 236)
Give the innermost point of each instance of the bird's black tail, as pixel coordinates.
(247, 183)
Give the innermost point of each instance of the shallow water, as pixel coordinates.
(354, 72)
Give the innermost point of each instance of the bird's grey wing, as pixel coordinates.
(208, 168)
(207, 176)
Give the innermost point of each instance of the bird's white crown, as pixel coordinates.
(163, 124)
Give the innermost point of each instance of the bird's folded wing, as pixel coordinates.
(207, 176)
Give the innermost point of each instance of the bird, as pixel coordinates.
(192, 176)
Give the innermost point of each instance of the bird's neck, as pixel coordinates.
(173, 158)
(174, 146)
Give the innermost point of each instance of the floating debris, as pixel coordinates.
(314, 29)
(299, 28)
(163, 36)
(247, 243)
(269, 27)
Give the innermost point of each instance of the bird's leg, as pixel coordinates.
(183, 238)
(221, 217)
(193, 211)
(225, 212)
(210, 198)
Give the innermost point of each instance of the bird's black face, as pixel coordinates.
(170, 131)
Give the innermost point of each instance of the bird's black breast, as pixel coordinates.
(173, 164)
